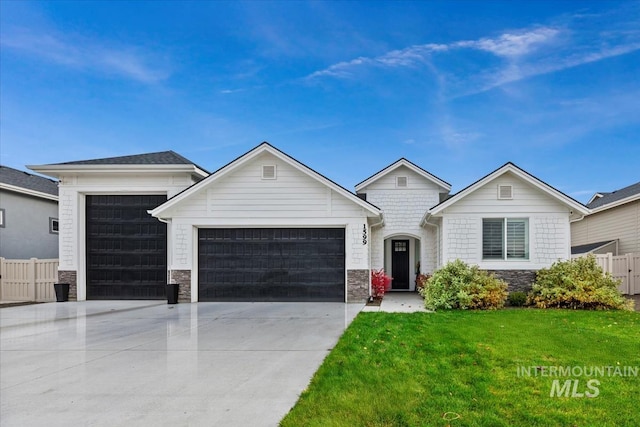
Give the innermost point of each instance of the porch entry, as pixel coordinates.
(400, 264)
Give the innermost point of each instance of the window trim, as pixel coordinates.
(2, 218)
(53, 220)
(505, 239)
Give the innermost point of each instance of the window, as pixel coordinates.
(399, 246)
(401, 181)
(505, 238)
(54, 225)
(269, 172)
(1, 218)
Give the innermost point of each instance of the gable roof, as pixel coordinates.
(590, 247)
(26, 183)
(264, 147)
(162, 160)
(521, 173)
(412, 166)
(602, 201)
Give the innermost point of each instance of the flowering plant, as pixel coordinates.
(380, 283)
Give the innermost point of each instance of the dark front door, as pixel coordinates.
(271, 264)
(400, 264)
(126, 248)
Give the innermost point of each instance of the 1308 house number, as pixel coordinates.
(364, 234)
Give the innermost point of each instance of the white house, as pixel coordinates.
(266, 227)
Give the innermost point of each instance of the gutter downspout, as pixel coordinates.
(169, 246)
(425, 221)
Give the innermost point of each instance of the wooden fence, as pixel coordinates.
(623, 267)
(28, 280)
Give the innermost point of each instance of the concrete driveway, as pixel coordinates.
(127, 363)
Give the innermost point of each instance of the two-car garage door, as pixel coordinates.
(271, 264)
(127, 257)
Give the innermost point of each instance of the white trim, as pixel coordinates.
(409, 165)
(57, 170)
(28, 192)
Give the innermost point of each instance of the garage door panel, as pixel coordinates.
(126, 248)
(271, 264)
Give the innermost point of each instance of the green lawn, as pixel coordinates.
(461, 368)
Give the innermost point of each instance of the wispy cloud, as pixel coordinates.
(130, 62)
(514, 55)
(512, 44)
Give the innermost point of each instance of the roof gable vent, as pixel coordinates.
(505, 192)
(401, 181)
(268, 171)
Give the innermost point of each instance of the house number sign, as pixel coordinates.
(364, 234)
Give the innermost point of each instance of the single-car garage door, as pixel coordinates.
(271, 264)
(126, 248)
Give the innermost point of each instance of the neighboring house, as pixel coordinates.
(613, 224)
(28, 215)
(266, 227)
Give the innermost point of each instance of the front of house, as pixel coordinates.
(266, 227)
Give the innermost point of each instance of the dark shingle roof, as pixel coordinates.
(159, 158)
(26, 180)
(584, 249)
(614, 196)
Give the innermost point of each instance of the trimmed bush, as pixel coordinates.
(578, 284)
(517, 299)
(459, 285)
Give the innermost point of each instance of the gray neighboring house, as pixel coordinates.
(28, 215)
(613, 224)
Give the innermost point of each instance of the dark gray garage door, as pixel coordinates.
(271, 264)
(126, 248)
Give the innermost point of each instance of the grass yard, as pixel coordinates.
(461, 368)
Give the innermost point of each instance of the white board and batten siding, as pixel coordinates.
(549, 230)
(243, 198)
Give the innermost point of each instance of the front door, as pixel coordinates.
(400, 264)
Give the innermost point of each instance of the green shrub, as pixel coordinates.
(517, 299)
(578, 284)
(459, 285)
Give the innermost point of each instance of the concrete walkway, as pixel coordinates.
(132, 363)
(399, 302)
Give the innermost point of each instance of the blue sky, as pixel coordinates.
(457, 87)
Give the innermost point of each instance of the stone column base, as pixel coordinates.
(70, 277)
(357, 285)
(183, 278)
